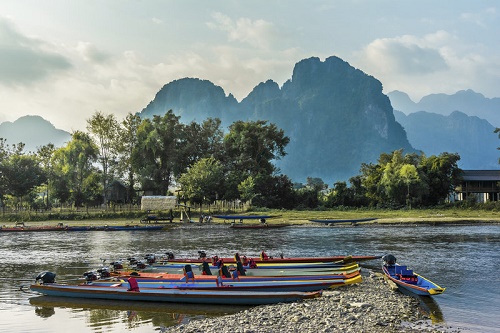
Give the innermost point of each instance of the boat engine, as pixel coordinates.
(45, 277)
(90, 276)
(150, 258)
(389, 259)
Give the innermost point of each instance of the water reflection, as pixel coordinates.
(106, 312)
(450, 256)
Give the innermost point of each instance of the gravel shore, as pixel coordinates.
(371, 306)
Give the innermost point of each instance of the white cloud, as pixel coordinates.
(24, 60)
(257, 33)
(437, 62)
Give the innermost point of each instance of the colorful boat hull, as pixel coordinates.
(409, 281)
(220, 296)
(242, 285)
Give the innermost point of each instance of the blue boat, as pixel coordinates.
(407, 280)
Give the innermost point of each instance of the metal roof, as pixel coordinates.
(481, 175)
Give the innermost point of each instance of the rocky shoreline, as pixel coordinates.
(371, 306)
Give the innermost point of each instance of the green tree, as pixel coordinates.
(250, 148)
(75, 174)
(442, 176)
(45, 155)
(128, 144)
(21, 174)
(246, 189)
(203, 181)
(104, 130)
(157, 153)
(409, 175)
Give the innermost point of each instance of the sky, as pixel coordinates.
(65, 60)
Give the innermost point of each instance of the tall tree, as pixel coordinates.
(104, 130)
(250, 148)
(76, 175)
(157, 155)
(127, 144)
(45, 154)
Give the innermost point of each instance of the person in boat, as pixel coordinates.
(188, 273)
(252, 263)
(133, 285)
(264, 256)
(234, 274)
(237, 257)
(219, 281)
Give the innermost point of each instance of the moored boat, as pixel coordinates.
(406, 279)
(333, 221)
(264, 258)
(220, 296)
(237, 284)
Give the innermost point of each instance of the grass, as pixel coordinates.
(383, 216)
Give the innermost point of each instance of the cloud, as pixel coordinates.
(406, 55)
(481, 18)
(91, 53)
(258, 33)
(24, 60)
(437, 62)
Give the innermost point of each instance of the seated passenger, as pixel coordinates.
(133, 285)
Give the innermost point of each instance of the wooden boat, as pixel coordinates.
(221, 295)
(258, 225)
(406, 279)
(61, 227)
(267, 259)
(237, 284)
(240, 218)
(332, 221)
(23, 228)
(265, 272)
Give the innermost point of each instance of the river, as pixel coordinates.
(464, 259)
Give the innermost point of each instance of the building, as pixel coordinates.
(483, 184)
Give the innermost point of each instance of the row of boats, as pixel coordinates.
(62, 227)
(229, 281)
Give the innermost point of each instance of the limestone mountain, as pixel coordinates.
(469, 136)
(335, 115)
(466, 101)
(34, 132)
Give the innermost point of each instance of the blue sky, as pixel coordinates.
(64, 60)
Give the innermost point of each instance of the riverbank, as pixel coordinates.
(371, 306)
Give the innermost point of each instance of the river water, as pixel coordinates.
(464, 259)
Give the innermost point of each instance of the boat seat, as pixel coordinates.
(398, 269)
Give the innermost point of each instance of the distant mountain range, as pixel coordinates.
(466, 101)
(335, 115)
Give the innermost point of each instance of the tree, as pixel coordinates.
(21, 174)
(45, 154)
(202, 182)
(128, 143)
(409, 175)
(104, 130)
(157, 152)
(246, 189)
(250, 148)
(75, 174)
(442, 175)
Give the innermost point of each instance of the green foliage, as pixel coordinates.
(203, 181)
